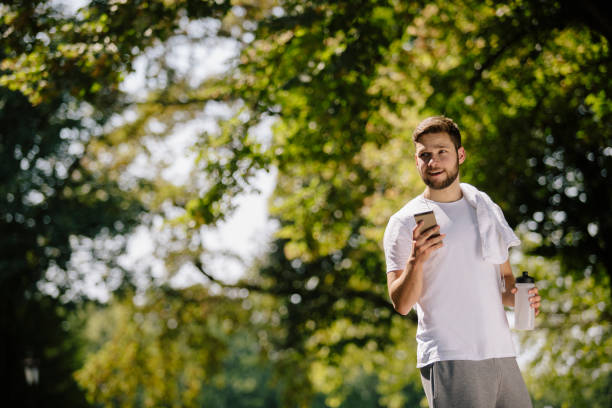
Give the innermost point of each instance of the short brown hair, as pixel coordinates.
(438, 124)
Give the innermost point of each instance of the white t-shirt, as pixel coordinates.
(460, 311)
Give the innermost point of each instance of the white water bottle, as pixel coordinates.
(524, 314)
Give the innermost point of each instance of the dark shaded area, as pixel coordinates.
(46, 197)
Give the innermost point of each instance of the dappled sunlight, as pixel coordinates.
(195, 193)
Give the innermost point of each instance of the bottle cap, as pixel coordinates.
(525, 278)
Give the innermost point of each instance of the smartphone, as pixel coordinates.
(429, 220)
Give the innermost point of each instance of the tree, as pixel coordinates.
(159, 353)
(344, 78)
(58, 89)
(48, 195)
(346, 82)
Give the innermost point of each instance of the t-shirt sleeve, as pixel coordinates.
(397, 243)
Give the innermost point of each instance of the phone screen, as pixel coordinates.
(429, 220)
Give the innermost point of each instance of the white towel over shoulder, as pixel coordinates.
(495, 233)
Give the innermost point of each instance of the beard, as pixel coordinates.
(444, 183)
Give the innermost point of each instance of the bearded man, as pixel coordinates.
(457, 277)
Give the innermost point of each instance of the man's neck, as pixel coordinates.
(447, 195)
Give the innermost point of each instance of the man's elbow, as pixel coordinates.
(402, 309)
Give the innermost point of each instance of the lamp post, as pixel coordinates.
(30, 370)
(32, 377)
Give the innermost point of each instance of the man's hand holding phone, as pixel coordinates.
(425, 239)
(405, 286)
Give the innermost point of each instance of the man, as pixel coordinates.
(458, 278)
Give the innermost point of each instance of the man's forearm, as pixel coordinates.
(406, 289)
(508, 296)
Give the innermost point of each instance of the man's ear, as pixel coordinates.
(461, 154)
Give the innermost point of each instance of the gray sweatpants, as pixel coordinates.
(491, 383)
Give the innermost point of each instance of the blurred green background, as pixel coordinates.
(319, 98)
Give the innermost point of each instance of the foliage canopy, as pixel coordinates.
(345, 83)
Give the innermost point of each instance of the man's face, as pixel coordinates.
(438, 160)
